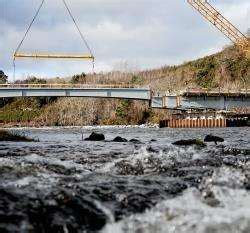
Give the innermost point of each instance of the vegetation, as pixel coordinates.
(122, 111)
(20, 110)
(79, 78)
(3, 77)
(32, 80)
(227, 70)
(206, 71)
(137, 80)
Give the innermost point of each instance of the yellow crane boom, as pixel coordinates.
(220, 22)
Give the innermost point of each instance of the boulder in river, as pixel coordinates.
(57, 211)
(189, 142)
(151, 149)
(119, 139)
(135, 140)
(212, 138)
(95, 137)
(14, 137)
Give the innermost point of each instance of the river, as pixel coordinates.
(61, 183)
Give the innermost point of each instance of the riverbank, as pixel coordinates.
(24, 127)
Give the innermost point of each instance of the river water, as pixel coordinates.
(64, 184)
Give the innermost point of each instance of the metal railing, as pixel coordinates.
(71, 86)
(218, 90)
(217, 93)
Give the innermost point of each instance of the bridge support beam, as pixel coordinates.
(201, 102)
(119, 93)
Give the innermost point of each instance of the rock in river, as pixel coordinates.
(120, 139)
(12, 136)
(135, 141)
(189, 142)
(212, 138)
(95, 137)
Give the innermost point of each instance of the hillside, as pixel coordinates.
(227, 70)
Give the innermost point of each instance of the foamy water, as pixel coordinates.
(152, 186)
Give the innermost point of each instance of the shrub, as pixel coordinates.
(79, 78)
(3, 77)
(137, 80)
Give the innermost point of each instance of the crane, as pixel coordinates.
(221, 23)
(202, 6)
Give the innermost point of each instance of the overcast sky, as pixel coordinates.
(143, 33)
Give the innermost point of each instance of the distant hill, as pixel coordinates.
(226, 70)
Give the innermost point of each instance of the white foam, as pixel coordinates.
(188, 213)
(36, 159)
(21, 182)
(84, 127)
(106, 211)
(140, 154)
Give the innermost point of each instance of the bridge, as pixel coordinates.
(181, 101)
(202, 100)
(67, 90)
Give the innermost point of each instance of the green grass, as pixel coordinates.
(20, 110)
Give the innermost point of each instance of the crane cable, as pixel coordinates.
(24, 37)
(29, 28)
(80, 33)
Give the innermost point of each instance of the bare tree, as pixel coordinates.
(3, 77)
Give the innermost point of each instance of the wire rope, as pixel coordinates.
(24, 37)
(80, 33)
(32, 22)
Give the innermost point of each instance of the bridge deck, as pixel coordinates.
(201, 102)
(62, 90)
(186, 100)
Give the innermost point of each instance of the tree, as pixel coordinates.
(32, 80)
(137, 80)
(3, 77)
(79, 78)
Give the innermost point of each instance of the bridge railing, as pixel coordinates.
(71, 86)
(217, 91)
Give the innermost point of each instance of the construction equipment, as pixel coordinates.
(54, 56)
(202, 6)
(221, 23)
(17, 55)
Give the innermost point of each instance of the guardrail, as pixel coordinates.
(72, 86)
(215, 91)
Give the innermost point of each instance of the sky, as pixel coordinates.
(123, 34)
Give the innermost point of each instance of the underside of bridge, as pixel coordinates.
(201, 102)
(119, 93)
(184, 101)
